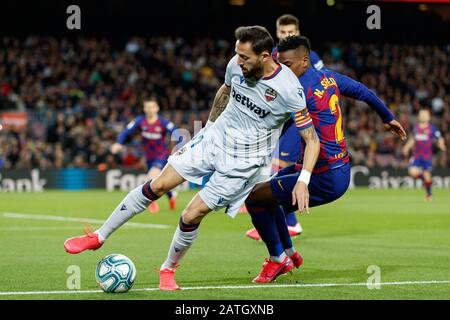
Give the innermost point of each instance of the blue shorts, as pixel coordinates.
(426, 165)
(323, 187)
(156, 163)
(289, 146)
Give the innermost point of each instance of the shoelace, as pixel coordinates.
(89, 233)
(267, 266)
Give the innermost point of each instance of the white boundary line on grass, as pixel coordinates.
(15, 215)
(231, 287)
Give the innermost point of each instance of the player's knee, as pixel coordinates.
(414, 172)
(261, 193)
(251, 198)
(192, 215)
(159, 187)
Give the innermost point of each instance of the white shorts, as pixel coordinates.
(230, 179)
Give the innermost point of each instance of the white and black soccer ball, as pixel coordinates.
(115, 273)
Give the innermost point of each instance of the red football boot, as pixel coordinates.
(295, 230)
(297, 259)
(271, 270)
(76, 245)
(153, 208)
(167, 280)
(173, 200)
(253, 234)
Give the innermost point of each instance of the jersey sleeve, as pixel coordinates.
(300, 114)
(436, 133)
(129, 130)
(229, 71)
(316, 62)
(168, 125)
(296, 104)
(302, 119)
(356, 90)
(294, 96)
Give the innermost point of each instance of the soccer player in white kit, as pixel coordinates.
(244, 125)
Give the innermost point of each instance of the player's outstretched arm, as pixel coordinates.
(116, 147)
(220, 102)
(408, 146)
(356, 90)
(441, 144)
(396, 128)
(132, 127)
(300, 194)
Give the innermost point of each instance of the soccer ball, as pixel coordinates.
(115, 273)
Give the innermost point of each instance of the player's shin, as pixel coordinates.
(135, 202)
(184, 237)
(427, 185)
(291, 219)
(264, 221)
(283, 231)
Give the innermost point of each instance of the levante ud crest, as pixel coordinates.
(270, 95)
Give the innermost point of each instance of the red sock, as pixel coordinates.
(428, 187)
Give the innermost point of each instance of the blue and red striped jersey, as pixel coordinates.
(322, 100)
(424, 138)
(323, 89)
(153, 136)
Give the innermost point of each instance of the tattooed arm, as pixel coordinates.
(220, 102)
(300, 194)
(312, 149)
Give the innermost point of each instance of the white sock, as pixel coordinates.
(290, 252)
(135, 202)
(100, 236)
(181, 242)
(278, 259)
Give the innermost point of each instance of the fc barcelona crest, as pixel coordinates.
(270, 95)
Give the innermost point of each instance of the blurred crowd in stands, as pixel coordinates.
(79, 94)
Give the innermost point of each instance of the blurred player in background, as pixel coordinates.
(331, 175)
(154, 131)
(424, 134)
(289, 147)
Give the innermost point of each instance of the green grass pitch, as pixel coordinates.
(396, 230)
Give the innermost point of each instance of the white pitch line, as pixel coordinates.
(14, 229)
(232, 287)
(15, 215)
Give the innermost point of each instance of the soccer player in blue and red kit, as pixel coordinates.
(154, 131)
(289, 146)
(331, 176)
(423, 136)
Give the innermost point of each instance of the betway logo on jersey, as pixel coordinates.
(246, 102)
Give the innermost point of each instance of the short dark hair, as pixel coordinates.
(287, 19)
(149, 98)
(294, 42)
(258, 36)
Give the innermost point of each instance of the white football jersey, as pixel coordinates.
(250, 126)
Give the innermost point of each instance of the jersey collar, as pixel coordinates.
(274, 74)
